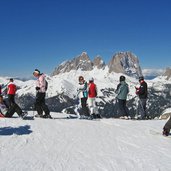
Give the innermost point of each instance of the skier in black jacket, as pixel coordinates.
(142, 92)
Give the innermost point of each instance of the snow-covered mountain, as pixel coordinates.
(122, 62)
(76, 145)
(62, 90)
(62, 85)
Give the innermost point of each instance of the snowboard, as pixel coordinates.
(43, 118)
(28, 118)
(82, 118)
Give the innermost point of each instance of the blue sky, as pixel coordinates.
(43, 33)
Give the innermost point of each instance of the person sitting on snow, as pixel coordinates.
(6, 111)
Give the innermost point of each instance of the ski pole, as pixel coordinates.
(4, 87)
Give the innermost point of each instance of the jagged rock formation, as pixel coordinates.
(98, 62)
(126, 63)
(167, 73)
(82, 62)
(123, 62)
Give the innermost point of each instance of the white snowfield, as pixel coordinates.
(83, 145)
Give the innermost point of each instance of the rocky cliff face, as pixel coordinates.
(81, 62)
(98, 62)
(167, 73)
(123, 62)
(126, 63)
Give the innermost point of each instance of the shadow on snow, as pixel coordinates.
(21, 130)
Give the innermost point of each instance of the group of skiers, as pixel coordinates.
(86, 92)
(122, 92)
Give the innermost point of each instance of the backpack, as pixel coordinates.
(46, 85)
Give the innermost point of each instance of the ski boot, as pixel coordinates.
(48, 116)
(24, 114)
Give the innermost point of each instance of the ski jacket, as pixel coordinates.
(92, 90)
(122, 90)
(41, 83)
(142, 91)
(0, 89)
(82, 90)
(11, 88)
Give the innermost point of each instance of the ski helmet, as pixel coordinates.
(141, 78)
(91, 79)
(122, 78)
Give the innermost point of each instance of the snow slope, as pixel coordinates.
(77, 145)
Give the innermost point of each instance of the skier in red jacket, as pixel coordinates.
(11, 90)
(92, 93)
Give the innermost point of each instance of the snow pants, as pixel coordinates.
(11, 99)
(40, 105)
(123, 110)
(13, 108)
(92, 105)
(85, 110)
(141, 109)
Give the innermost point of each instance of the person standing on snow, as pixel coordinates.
(92, 93)
(122, 92)
(142, 92)
(83, 95)
(41, 87)
(11, 90)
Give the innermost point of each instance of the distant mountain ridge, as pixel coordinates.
(122, 62)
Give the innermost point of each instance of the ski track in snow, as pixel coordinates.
(82, 145)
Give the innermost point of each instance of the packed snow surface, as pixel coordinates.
(62, 144)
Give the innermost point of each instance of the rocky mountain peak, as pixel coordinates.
(167, 73)
(126, 63)
(81, 62)
(98, 62)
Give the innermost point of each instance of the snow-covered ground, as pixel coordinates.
(71, 145)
